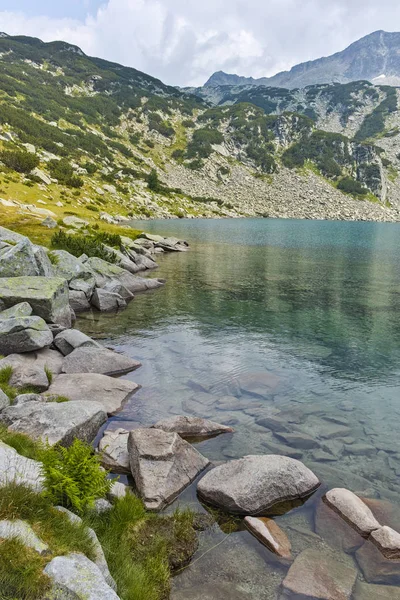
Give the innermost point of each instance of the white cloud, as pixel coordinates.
(184, 41)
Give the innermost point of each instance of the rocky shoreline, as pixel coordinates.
(66, 387)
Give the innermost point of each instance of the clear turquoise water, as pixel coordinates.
(316, 305)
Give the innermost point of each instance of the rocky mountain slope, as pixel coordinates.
(83, 137)
(375, 57)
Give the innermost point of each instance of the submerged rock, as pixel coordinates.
(297, 440)
(162, 465)
(75, 576)
(23, 334)
(56, 422)
(48, 296)
(387, 540)
(352, 509)
(366, 591)
(316, 575)
(257, 485)
(270, 534)
(376, 567)
(192, 427)
(258, 384)
(111, 393)
(335, 530)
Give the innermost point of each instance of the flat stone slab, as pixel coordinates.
(15, 468)
(114, 451)
(23, 334)
(162, 465)
(56, 422)
(257, 485)
(335, 530)
(352, 509)
(98, 360)
(258, 384)
(23, 532)
(316, 575)
(297, 440)
(270, 534)
(109, 392)
(48, 296)
(75, 576)
(192, 427)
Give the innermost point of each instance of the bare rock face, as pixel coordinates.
(109, 392)
(98, 360)
(192, 427)
(314, 575)
(162, 465)
(56, 422)
(352, 509)
(270, 534)
(257, 485)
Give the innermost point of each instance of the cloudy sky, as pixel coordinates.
(184, 41)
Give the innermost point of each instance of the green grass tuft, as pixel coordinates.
(23, 444)
(49, 374)
(21, 572)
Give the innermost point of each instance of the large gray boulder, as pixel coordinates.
(23, 334)
(316, 575)
(45, 359)
(257, 485)
(29, 376)
(162, 465)
(4, 400)
(70, 339)
(48, 296)
(105, 272)
(78, 301)
(116, 287)
(75, 577)
(17, 469)
(122, 260)
(18, 260)
(192, 427)
(111, 393)
(23, 309)
(100, 559)
(71, 268)
(107, 301)
(44, 266)
(22, 531)
(98, 360)
(56, 422)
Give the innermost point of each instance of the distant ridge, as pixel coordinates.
(375, 57)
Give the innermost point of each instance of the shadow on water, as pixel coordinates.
(308, 313)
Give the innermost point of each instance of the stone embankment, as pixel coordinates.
(77, 389)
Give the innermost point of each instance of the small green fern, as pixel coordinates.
(73, 476)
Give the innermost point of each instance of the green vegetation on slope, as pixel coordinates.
(374, 123)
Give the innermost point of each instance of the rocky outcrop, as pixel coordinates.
(162, 465)
(75, 576)
(110, 393)
(23, 334)
(88, 359)
(270, 534)
(192, 427)
(257, 485)
(319, 575)
(105, 272)
(56, 422)
(48, 296)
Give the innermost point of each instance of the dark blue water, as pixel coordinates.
(314, 306)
